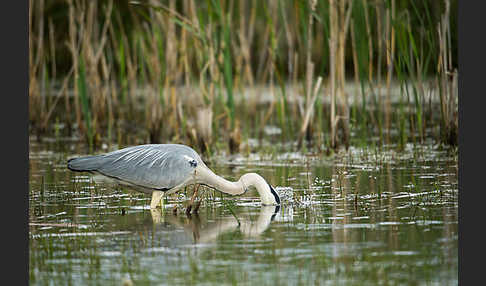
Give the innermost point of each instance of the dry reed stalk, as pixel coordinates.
(210, 94)
(309, 110)
(67, 107)
(167, 102)
(37, 64)
(238, 81)
(205, 46)
(214, 73)
(171, 110)
(86, 20)
(117, 109)
(31, 39)
(371, 61)
(339, 26)
(112, 103)
(379, 29)
(417, 79)
(73, 45)
(251, 23)
(204, 130)
(153, 117)
(176, 118)
(131, 70)
(94, 53)
(234, 143)
(271, 108)
(32, 71)
(184, 51)
(264, 64)
(195, 23)
(345, 16)
(332, 67)
(154, 100)
(453, 113)
(183, 71)
(45, 118)
(270, 66)
(309, 75)
(86, 44)
(128, 84)
(153, 61)
(107, 94)
(370, 42)
(213, 67)
(309, 64)
(171, 52)
(452, 86)
(52, 48)
(83, 33)
(290, 43)
(390, 56)
(355, 62)
(243, 36)
(448, 88)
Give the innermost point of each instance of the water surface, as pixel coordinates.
(361, 217)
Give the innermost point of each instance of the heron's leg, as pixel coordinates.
(194, 195)
(196, 207)
(156, 216)
(156, 199)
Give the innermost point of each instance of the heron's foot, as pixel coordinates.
(174, 210)
(193, 207)
(196, 207)
(188, 209)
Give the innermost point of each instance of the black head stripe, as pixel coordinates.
(277, 198)
(277, 209)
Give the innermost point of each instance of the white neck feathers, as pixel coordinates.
(204, 175)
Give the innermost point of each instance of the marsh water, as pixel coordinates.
(358, 217)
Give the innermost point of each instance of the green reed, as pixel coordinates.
(217, 49)
(85, 102)
(224, 19)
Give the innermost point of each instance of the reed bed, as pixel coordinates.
(215, 73)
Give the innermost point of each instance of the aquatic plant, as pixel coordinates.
(198, 72)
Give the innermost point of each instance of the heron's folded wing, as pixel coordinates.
(150, 166)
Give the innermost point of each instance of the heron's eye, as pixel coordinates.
(193, 163)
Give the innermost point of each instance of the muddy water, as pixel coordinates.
(362, 217)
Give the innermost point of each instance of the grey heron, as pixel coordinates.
(160, 169)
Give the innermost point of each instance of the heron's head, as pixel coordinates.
(275, 195)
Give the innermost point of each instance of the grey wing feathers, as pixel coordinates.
(157, 166)
(89, 163)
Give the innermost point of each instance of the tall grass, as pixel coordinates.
(171, 71)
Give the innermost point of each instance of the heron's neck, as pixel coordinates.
(206, 176)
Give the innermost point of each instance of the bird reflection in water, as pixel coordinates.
(202, 231)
